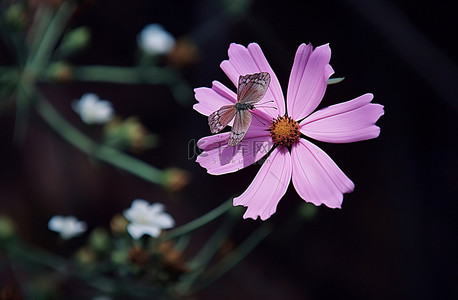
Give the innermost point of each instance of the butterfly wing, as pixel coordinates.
(241, 124)
(220, 118)
(252, 87)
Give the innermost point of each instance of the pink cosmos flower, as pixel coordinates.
(281, 131)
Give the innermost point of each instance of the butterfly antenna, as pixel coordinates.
(260, 104)
(266, 107)
(259, 120)
(266, 102)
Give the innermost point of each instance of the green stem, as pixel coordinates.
(41, 56)
(18, 250)
(13, 39)
(124, 75)
(203, 258)
(22, 116)
(41, 20)
(103, 153)
(235, 257)
(35, 257)
(199, 222)
(136, 75)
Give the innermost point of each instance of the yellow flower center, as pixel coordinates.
(284, 131)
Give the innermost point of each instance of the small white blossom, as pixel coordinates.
(67, 227)
(154, 39)
(92, 110)
(147, 219)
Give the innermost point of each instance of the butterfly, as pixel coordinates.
(251, 89)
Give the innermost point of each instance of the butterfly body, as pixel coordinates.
(251, 89)
(243, 106)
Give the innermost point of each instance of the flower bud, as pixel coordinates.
(85, 256)
(130, 134)
(118, 224)
(176, 179)
(184, 53)
(100, 240)
(119, 257)
(75, 40)
(60, 72)
(7, 229)
(16, 17)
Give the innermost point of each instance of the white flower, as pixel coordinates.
(147, 219)
(92, 110)
(153, 39)
(67, 227)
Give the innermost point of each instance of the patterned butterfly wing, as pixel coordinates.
(220, 118)
(252, 87)
(241, 124)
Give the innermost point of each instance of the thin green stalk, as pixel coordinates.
(46, 36)
(136, 75)
(40, 24)
(103, 153)
(12, 39)
(56, 27)
(124, 75)
(36, 256)
(122, 287)
(130, 164)
(182, 242)
(203, 258)
(64, 267)
(207, 252)
(235, 257)
(199, 222)
(22, 116)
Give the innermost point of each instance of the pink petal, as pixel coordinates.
(309, 78)
(316, 177)
(297, 72)
(250, 60)
(345, 122)
(268, 187)
(218, 158)
(211, 99)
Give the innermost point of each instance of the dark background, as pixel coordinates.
(395, 236)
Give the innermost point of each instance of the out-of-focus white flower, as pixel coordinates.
(67, 227)
(154, 40)
(92, 110)
(147, 219)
